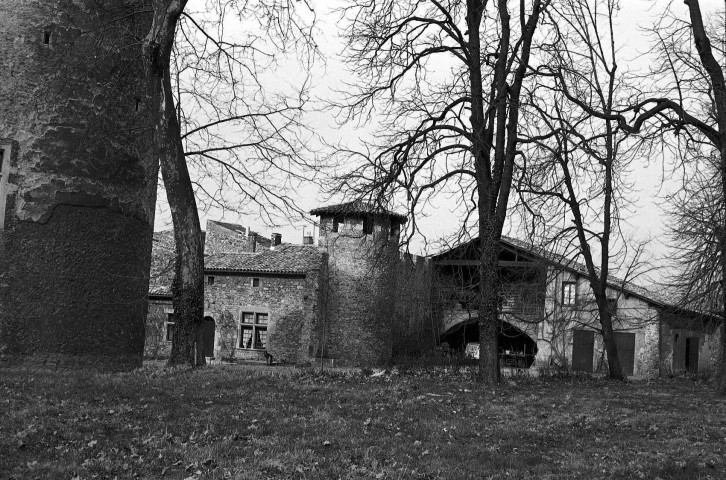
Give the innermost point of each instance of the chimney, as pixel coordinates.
(307, 240)
(276, 239)
(252, 238)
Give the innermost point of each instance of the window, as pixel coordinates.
(508, 301)
(255, 283)
(569, 293)
(46, 37)
(613, 306)
(253, 330)
(4, 174)
(336, 223)
(170, 325)
(210, 280)
(367, 226)
(395, 229)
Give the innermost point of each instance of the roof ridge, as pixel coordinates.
(358, 207)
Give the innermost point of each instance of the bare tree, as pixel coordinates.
(689, 72)
(445, 79)
(578, 168)
(697, 211)
(215, 63)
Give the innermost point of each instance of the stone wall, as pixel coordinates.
(291, 303)
(231, 238)
(156, 346)
(76, 239)
(676, 327)
(415, 328)
(361, 291)
(634, 315)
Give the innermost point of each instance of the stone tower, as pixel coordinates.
(77, 183)
(362, 244)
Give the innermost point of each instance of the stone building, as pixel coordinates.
(334, 301)
(77, 183)
(257, 302)
(354, 299)
(550, 318)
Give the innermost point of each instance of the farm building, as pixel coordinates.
(550, 318)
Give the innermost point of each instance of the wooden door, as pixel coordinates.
(583, 342)
(208, 330)
(625, 343)
(692, 354)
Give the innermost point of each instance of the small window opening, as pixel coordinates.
(569, 293)
(210, 280)
(46, 37)
(170, 325)
(138, 104)
(367, 226)
(613, 306)
(336, 223)
(255, 282)
(395, 229)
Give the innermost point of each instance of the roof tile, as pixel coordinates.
(357, 207)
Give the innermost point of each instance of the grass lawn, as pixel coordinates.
(279, 422)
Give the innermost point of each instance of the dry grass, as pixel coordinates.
(260, 422)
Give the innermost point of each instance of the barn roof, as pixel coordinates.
(538, 253)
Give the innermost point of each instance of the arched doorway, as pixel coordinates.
(209, 328)
(516, 348)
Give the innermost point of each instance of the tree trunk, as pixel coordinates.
(188, 284)
(615, 370)
(721, 380)
(489, 308)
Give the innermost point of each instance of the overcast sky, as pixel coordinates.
(647, 220)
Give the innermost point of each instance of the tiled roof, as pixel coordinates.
(573, 266)
(580, 268)
(235, 227)
(357, 207)
(284, 259)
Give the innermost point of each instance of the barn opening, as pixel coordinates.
(516, 348)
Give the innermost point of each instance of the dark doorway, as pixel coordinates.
(583, 346)
(625, 344)
(516, 348)
(692, 354)
(208, 330)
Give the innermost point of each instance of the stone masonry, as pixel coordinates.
(80, 188)
(362, 246)
(280, 284)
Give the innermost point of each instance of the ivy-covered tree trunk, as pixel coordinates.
(489, 322)
(188, 284)
(721, 380)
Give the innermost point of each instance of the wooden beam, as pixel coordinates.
(502, 263)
